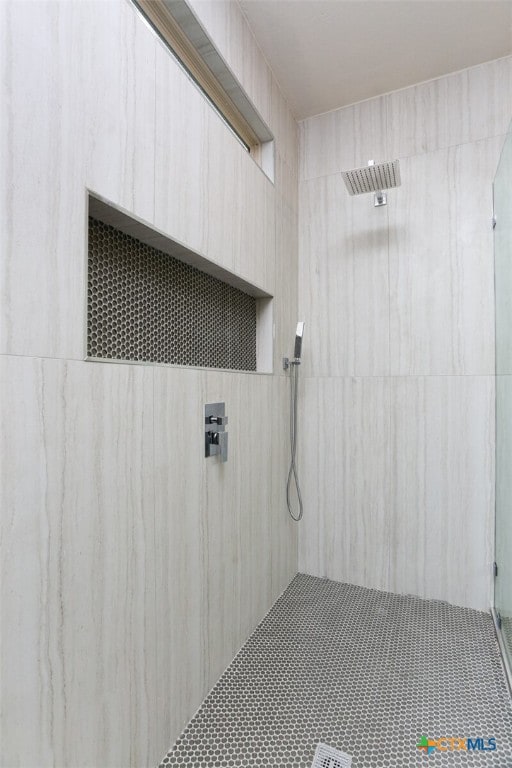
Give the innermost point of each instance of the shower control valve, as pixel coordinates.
(219, 420)
(215, 435)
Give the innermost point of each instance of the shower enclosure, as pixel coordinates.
(503, 288)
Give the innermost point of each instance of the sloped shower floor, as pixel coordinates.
(366, 672)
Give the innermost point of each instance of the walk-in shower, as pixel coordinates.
(294, 388)
(373, 178)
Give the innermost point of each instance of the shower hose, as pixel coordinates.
(294, 386)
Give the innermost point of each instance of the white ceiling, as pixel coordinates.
(329, 53)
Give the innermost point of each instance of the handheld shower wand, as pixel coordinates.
(294, 388)
(299, 333)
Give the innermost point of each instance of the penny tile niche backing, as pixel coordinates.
(145, 305)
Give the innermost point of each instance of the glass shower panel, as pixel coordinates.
(503, 288)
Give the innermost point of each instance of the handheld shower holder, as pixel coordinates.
(287, 362)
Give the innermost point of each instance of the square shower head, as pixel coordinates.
(372, 178)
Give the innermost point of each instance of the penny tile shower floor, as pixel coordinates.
(366, 672)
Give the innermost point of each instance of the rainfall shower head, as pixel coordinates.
(373, 178)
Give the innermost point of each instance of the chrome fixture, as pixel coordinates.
(294, 389)
(299, 333)
(215, 435)
(373, 178)
(297, 352)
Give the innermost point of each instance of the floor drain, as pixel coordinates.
(328, 757)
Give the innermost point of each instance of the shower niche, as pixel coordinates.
(150, 299)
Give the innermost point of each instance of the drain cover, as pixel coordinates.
(328, 757)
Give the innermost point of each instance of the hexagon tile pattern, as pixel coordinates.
(369, 673)
(506, 633)
(147, 306)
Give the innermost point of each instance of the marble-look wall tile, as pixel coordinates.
(118, 98)
(180, 530)
(79, 89)
(255, 75)
(222, 530)
(41, 158)
(443, 488)
(182, 125)
(101, 119)
(343, 139)
(253, 445)
(237, 504)
(173, 557)
(284, 128)
(284, 531)
(222, 213)
(222, 205)
(25, 657)
(255, 258)
(285, 301)
(345, 465)
(412, 298)
(78, 580)
(464, 107)
(213, 529)
(441, 262)
(343, 281)
(287, 184)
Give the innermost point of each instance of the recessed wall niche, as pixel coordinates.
(151, 300)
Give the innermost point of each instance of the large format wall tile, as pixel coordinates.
(79, 89)
(78, 580)
(253, 444)
(464, 107)
(460, 108)
(284, 531)
(180, 566)
(43, 212)
(344, 138)
(132, 569)
(122, 119)
(119, 104)
(412, 299)
(213, 196)
(285, 130)
(441, 262)
(213, 525)
(255, 258)
(343, 281)
(345, 466)
(285, 304)
(221, 520)
(400, 494)
(236, 500)
(443, 488)
(182, 125)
